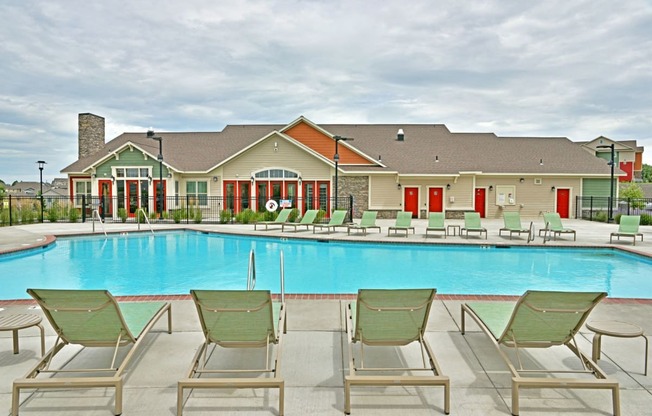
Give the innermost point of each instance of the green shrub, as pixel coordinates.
(4, 217)
(646, 219)
(617, 218)
(269, 216)
(246, 216)
(54, 212)
(153, 215)
(142, 216)
(177, 216)
(225, 216)
(198, 216)
(26, 215)
(600, 216)
(73, 214)
(294, 214)
(122, 213)
(320, 216)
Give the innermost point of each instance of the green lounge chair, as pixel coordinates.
(367, 222)
(306, 221)
(236, 319)
(281, 218)
(337, 220)
(513, 224)
(628, 227)
(542, 319)
(472, 224)
(403, 223)
(89, 318)
(554, 226)
(436, 223)
(391, 318)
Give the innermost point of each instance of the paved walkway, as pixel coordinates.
(315, 354)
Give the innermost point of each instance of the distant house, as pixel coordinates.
(627, 154)
(388, 168)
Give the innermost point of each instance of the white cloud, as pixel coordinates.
(577, 69)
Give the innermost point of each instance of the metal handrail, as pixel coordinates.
(530, 235)
(100, 220)
(251, 271)
(146, 219)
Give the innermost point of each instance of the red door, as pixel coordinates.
(411, 197)
(133, 202)
(106, 203)
(159, 204)
(480, 201)
(563, 202)
(436, 200)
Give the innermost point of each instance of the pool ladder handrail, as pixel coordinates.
(530, 234)
(251, 273)
(146, 219)
(94, 214)
(546, 233)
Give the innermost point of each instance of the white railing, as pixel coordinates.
(146, 219)
(95, 214)
(251, 273)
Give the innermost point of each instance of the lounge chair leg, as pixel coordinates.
(616, 401)
(118, 397)
(179, 399)
(347, 397)
(281, 398)
(515, 402)
(15, 400)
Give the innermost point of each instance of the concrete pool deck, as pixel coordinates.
(315, 354)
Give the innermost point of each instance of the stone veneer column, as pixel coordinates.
(358, 186)
(90, 138)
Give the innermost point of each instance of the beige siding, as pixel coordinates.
(384, 193)
(462, 193)
(288, 156)
(531, 200)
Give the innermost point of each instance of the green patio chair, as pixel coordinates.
(436, 223)
(513, 224)
(367, 222)
(236, 319)
(473, 224)
(403, 223)
(281, 219)
(628, 227)
(89, 318)
(337, 220)
(306, 221)
(542, 319)
(391, 318)
(554, 226)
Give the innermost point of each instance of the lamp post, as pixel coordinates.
(611, 163)
(336, 158)
(41, 165)
(159, 192)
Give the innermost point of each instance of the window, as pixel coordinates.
(82, 189)
(197, 192)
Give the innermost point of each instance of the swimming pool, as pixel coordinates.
(175, 262)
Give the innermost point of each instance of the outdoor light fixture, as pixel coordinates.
(41, 165)
(169, 175)
(448, 186)
(611, 187)
(541, 162)
(552, 188)
(94, 175)
(112, 178)
(300, 180)
(159, 192)
(491, 188)
(215, 178)
(150, 178)
(253, 179)
(336, 158)
(436, 159)
(521, 180)
(398, 186)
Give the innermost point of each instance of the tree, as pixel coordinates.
(646, 173)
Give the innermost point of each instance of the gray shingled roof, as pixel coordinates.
(457, 152)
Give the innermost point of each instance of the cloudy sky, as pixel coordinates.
(578, 69)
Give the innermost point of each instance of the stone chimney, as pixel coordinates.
(91, 134)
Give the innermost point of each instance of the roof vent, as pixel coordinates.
(400, 136)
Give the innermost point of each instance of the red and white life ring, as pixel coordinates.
(271, 205)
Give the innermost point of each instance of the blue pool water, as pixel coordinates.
(174, 263)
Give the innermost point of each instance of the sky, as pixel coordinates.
(578, 69)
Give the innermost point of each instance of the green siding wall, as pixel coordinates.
(596, 187)
(131, 159)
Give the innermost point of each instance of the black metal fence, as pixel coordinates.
(597, 208)
(15, 210)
